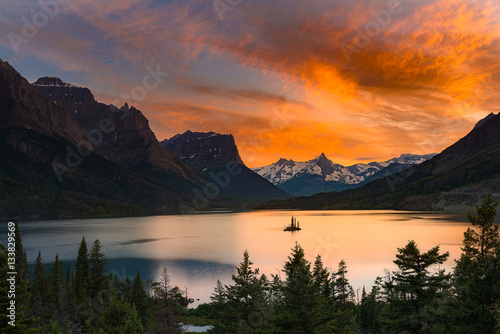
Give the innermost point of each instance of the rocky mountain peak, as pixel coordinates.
(21, 105)
(49, 81)
(202, 150)
(77, 100)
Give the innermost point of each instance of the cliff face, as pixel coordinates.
(79, 101)
(121, 135)
(21, 105)
(203, 150)
(212, 152)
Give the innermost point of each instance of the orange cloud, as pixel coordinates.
(407, 76)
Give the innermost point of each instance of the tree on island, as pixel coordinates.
(294, 225)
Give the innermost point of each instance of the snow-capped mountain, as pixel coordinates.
(321, 174)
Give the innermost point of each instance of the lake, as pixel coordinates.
(199, 249)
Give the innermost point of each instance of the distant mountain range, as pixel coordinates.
(209, 153)
(454, 179)
(63, 154)
(322, 175)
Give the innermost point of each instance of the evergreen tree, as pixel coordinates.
(119, 317)
(247, 309)
(477, 272)
(133, 323)
(56, 277)
(344, 293)
(324, 315)
(219, 303)
(482, 244)
(296, 314)
(41, 282)
(139, 299)
(98, 281)
(164, 321)
(413, 292)
(42, 303)
(81, 272)
(343, 300)
(371, 307)
(321, 278)
(125, 288)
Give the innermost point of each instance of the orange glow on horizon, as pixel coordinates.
(416, 83)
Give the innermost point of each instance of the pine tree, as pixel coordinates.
(477, 272)
(298, 294)
(247, 308)
(98, 281)
(324, 317)
(482, 244)
(164, 321)
(344, 293)
(125, 288)
(371, 308)
(219, 303)
(56, 277)
(133, 324)
(81, 272)
(343, 300)
(117, 316)
(139, 299)
(321, 278)
(40, 281)
(41, 303)
(413, 292)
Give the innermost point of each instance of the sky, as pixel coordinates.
(359, 81)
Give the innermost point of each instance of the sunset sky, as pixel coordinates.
(360, 81)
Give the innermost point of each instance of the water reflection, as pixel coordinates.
(199, 250)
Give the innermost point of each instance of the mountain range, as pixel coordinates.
(63, 154)
(455, 179)
(322, 175)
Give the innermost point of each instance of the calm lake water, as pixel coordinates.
(199, 249)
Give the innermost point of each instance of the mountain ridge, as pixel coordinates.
(130, 142)
(23, 106)
(321, 174)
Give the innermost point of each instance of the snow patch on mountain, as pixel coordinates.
(284, 170)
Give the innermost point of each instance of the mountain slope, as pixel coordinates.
(322, 175)
(21, 105)
(46, 172)
(211, 153)
(121, 135)
(454, 179)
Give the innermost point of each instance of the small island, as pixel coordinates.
(294, 225)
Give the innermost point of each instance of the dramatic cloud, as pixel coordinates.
(356, 79)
